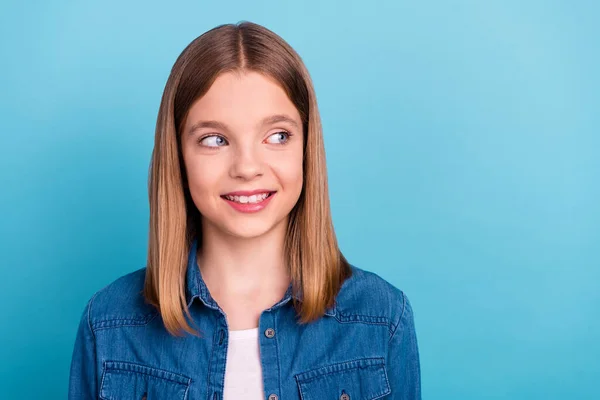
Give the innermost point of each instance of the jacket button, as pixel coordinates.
(270, 332)
(345, 396)
(273, 396)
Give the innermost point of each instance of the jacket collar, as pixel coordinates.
(196, 287)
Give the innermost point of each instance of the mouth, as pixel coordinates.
(255, 198)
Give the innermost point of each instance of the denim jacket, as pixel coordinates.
(363, 348)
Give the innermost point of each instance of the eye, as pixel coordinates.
(279, 137)
(212, 141)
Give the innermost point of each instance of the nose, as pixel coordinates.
(247, 163)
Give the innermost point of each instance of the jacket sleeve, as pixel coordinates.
(404, 365)
(82, 378)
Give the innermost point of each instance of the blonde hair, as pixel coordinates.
(317, 266)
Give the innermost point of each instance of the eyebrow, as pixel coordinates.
(273, 119)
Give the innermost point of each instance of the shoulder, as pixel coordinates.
(367, 297)
(121, 302)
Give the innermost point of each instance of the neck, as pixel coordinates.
(243, 267)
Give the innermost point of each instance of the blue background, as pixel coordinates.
(462, 140)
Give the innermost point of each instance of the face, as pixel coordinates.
(242, 148)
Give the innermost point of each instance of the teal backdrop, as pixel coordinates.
(462, 143)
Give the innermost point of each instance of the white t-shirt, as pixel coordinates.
(243, 371)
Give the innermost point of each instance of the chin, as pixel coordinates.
(250, 229)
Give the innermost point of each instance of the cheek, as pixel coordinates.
(203, 177)
(289, 170)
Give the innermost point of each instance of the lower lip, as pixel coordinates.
(249, 207)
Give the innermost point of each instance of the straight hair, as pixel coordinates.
(317, 266)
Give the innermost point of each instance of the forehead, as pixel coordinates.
(242, 99)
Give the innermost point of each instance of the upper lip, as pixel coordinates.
(248, 192)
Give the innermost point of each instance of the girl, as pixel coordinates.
(246, 294)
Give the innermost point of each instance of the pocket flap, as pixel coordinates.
(360, 379)
(126, 380)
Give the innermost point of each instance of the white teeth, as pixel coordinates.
(255, 198)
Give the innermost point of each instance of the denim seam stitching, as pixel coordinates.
(99, 328)
(210, 360)
(102, 381)
(187, 389)
(126, 319)
(299, 384)
(387, 323)
(385, 392)
(277, 350)
(379, 365)
(125, 371)
(89, 316)
(106, 323)
(376, 394)
(222, 384)
(387, 381)
(399, 319)
(384, 318)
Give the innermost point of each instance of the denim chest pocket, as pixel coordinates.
(131, 381)
(360, 379)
